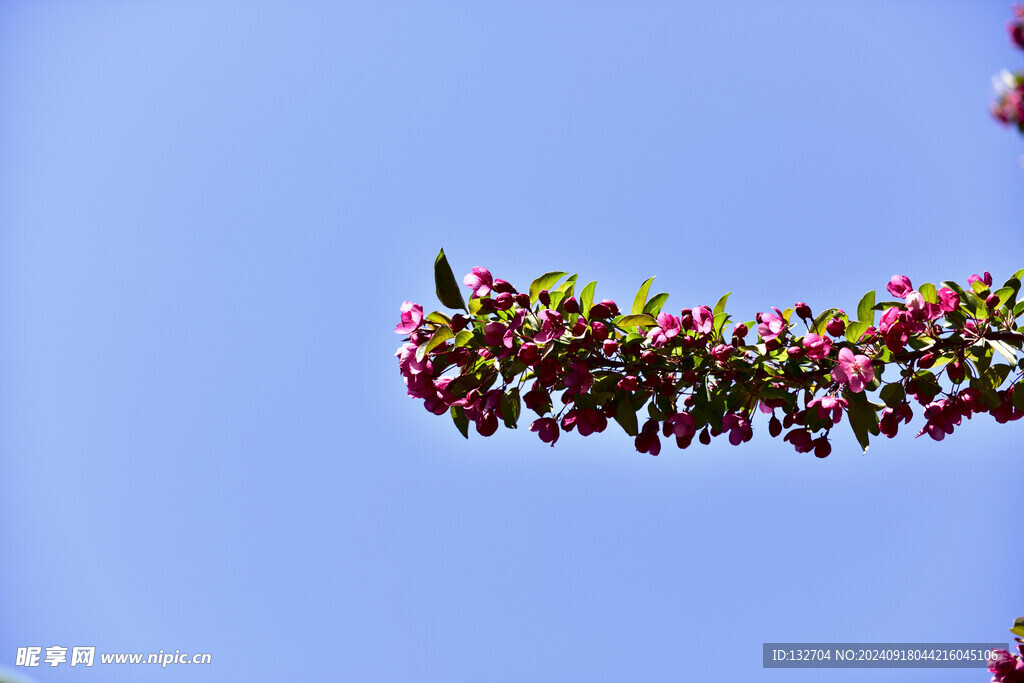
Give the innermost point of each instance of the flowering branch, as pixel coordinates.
(587, 362)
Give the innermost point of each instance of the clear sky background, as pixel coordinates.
(210, 213)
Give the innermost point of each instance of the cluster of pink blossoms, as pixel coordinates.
(1008, 106)
(1006, 667)
(579, 364)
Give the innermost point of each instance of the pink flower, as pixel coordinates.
(668, 327)
(985, 280)
(480, 281)
(738, 428)
(703, 320)
(551, 326)
(412, 317)
(721, 352)
(494, 332)
(627, 383)
(681, 425)
(829, 404)
(771, 325)
(899, 286)
(590, 421)
(856, 370)
(547, 430)
(528, 353)
(579, 380)
(801, 440)
(647, 441)
(948, 299)
(817, 347)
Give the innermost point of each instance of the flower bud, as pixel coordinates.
(926, 361)
(523, 300)
(802, 310)
(502, 287)
(609, 346)
(705, 437)
(956, 372)
(992, 302)
(529, 353)
(648, 356)
(795, 352)
(544, 297)
(599, 330)
(822, 448)
(774, 426)
(503, 301)
(740, 331)
(459, 322)
(836, 327)
(571, 305)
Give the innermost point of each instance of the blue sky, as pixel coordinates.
(210, 214)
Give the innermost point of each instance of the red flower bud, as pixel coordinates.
(836, 327)
(822, 448)
(544, 297)
(570, 305)
(926, 361)
(774, 426)
(459, 322)
(523, 300)
(802, 310)
(795, 351)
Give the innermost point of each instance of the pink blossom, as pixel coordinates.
(721, 352)
(948, 299)
(480, 281)
(829, 404)
(647, 441)
(817, 347)
(985, 279)
(668, 327)
(771, 325)
(412, 317)
(703, 320)
(899, 286)
(590, 421)
(494, 332)
(609, 346)
(579, 380)
(681, 425)
(801, 440)
(856, 370)
(551, 326)
(738, 428)
(627, 383)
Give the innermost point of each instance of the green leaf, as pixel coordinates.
(510, 407)
(460, 420)
(653, 306)
(587, 298)
(625, 415)
(863, 418)
(720, 306)
(1018, 309)
(818, 326)
(855, 330)
(447, 288)
(979, 287)
(640, 320)
(566, 287)
(927, 290)
(641, 296)
(545, 281)
(1018, 403)
(865, 309)
(892, 394)
(1004, 294)
(441, 335)
(439, 318)
(1009, 353)
(1018, 627)
(463, 338)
